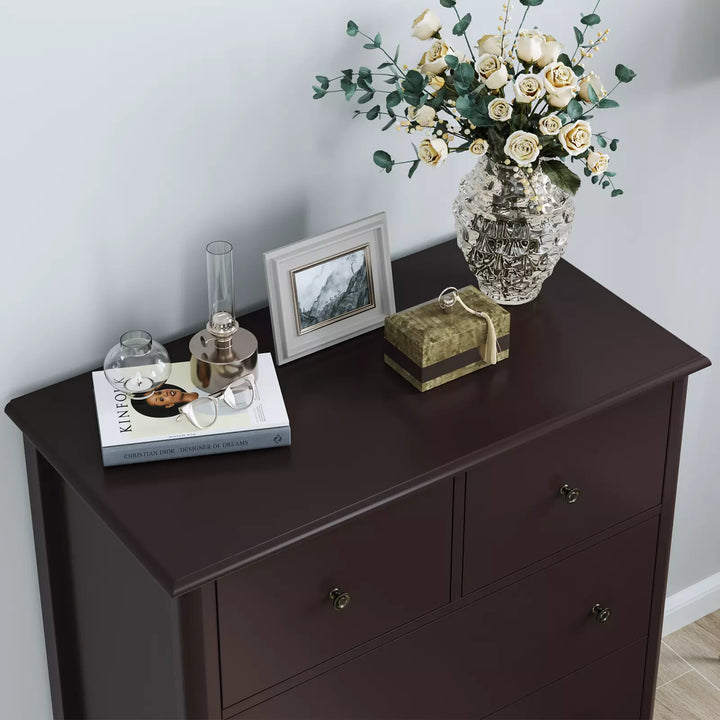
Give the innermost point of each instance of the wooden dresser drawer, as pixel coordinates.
(498, 649)
(584, 694)
(515, 512)
(275, 617)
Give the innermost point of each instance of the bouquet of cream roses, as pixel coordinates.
(516, 96)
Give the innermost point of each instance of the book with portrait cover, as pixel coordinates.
(134, 431)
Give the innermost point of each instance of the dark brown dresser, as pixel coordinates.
(496, 547)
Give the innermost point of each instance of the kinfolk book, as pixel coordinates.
(134, 431)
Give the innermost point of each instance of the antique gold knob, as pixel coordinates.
(571, 495)
(602, 615)
(340, 599)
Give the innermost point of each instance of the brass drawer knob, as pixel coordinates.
(340, 599)
(602, 615)
(571, 495)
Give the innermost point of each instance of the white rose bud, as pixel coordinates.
(551, 50)
(597, 162)
(425, 116)
(499, 110)
(479, 147)
(528, 88)
(523, 148)
(492, 71)
(550, 124)
(426, 25)
(593, 80)
(433, 61)
(529, 45)
(436, 82)
(491, 44)
(433, 151)
(575, 137)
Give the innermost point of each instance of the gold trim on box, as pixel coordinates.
(364, 308)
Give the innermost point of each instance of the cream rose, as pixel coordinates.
(550, 124)
(576, 137)
(523, 148)
(597, 162)
(551, 50)
(433, 61)
(425, 116)
(492, 71)
(499, 110)
(593, 80)
(479, 147)
(529, 45)
(560, 83)
(528, 88)
(491, 44)
(426, 25)
(433, 151)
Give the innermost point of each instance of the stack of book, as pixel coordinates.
(133, 431)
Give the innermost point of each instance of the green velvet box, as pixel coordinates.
(429, 347)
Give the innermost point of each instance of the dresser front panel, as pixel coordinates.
(275, 617)
(609, 689)
(515, 512)
(496, 650)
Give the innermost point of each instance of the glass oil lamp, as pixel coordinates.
(223, 351)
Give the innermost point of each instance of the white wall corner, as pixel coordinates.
(691, 604)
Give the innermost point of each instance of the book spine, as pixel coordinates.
(195, 446)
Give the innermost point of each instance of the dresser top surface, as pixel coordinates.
(360, 433)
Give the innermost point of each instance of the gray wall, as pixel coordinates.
(134, 132)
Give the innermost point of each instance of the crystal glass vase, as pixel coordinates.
(512, 227)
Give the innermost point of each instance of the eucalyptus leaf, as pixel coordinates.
(579, 70)
(592, 94)
(352, 28)
(614, 145)
(610, 174)
(564, 58)
(587, 172)
(531, 3)
(608, 103)
(606, 184)
(393, 99)
(318, 94)
(389, 124)
(590, 20)
(624, 74)
(578, 34)
(595, 179)
(616, 193)
(370, 46)
(447, 3)
(462, 25)
(324, 82)
(367, 97)
(452, 61)
(373, 112)
(349, 87)
(413, 168)
(382, 159)
(574, 110)
(601, 141)
(562, 176)
(378, 40)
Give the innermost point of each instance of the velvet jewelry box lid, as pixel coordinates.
(429, 347)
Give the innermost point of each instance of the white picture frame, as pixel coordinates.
(330, 288)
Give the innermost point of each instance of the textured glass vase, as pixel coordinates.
(511, 233)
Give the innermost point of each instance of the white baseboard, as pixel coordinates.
(691, 604)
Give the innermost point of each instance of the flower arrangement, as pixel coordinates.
(519, 99)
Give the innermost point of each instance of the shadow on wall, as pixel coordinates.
(250, 235)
